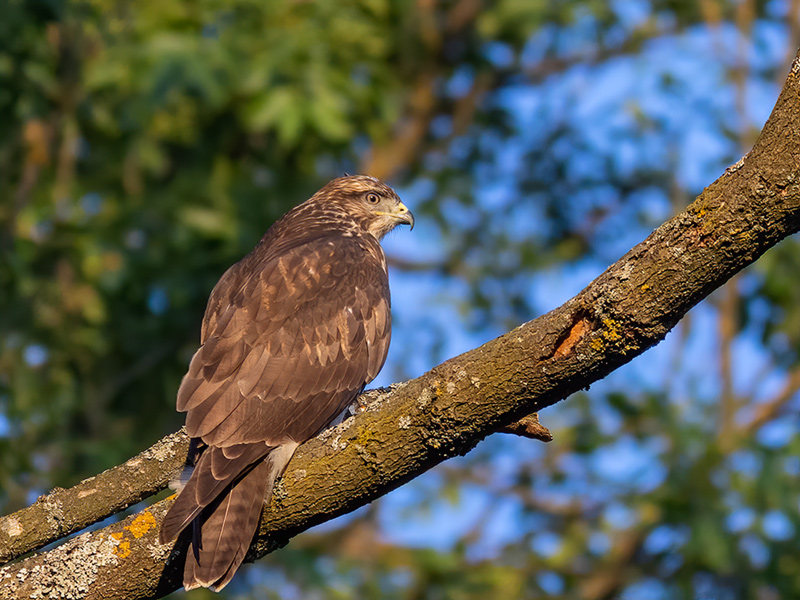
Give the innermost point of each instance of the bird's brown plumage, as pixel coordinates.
(291, 334)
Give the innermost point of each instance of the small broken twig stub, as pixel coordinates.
(529, 427)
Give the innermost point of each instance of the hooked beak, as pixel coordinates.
(404, 215)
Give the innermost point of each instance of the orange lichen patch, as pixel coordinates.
(142, 524)
(611, 333)
(117, 535)
(576, 333)
(123, 550)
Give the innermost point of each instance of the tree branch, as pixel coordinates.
(771, 409)
(447, 411)
(62, 512)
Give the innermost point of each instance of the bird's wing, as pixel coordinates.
(287, 344)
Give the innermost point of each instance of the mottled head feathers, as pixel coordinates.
(358, 200)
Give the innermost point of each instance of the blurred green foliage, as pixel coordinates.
(148, 147)
(145, 146)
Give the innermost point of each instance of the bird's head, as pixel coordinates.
(370, 202)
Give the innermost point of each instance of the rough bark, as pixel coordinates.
(447, 411)
(65, 511)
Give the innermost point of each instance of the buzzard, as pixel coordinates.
(291, 335)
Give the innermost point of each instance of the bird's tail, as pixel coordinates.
(223, 529)
(226, 528)
(214, 473)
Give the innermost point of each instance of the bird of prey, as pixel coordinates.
(291, 335)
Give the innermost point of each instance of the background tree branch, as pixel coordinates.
(447, 411)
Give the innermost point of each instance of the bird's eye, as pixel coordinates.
(373, 198)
